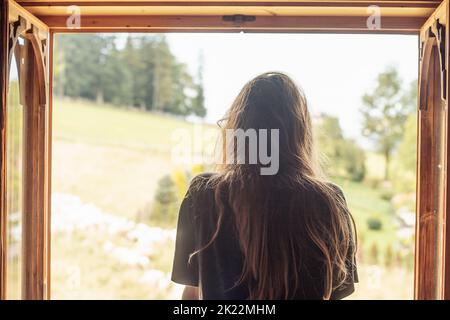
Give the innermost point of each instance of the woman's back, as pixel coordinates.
(217, 269)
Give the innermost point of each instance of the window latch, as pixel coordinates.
(238, 18)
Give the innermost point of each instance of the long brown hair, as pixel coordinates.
(279, 218)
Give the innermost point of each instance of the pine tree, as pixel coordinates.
(143, 74)
(198, 103)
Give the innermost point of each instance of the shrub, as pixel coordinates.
(169, 194)
(389, 256)
(166, 202)
(374, 253)
(374, 223)
(386, 194)
(354, 160)
(387, 190)
(371, 182)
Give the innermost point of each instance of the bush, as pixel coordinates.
(371, 182)
(374, 223)
(354, 160)
(171, 189)
(387, 190)
(166, 201)
(389, 256)
(386, 194)
(374, 253)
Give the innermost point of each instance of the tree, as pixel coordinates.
(132, 63)
(354, 160)
(144, 73)
(329, 135)
(384, 113)
(59, 66)
(81, 65)
(404, 159)
(115, 86)
(198, 103)
(343, 157)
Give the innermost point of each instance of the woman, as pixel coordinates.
(245, 235)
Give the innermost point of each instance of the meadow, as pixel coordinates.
(112, 158)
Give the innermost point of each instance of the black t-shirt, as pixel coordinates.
(217, 269)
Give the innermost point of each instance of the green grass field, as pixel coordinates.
(113, 158)
(104, 154)
(107, 125)
(365, 202)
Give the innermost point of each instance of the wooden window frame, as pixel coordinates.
(3, 68)
(35, 100)
(425, 286)
(430, 122)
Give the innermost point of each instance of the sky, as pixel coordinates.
(334, 70)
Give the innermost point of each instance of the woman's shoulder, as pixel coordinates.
(200, 194)
(320, 193)
(202, 180)
(201, 183)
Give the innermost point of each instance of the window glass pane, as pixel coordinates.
(14, 176)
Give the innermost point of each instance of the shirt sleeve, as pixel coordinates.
(185, 270)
